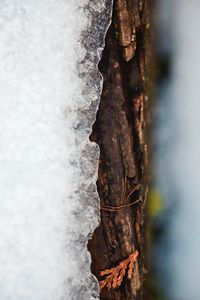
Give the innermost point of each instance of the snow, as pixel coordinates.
(178, 152)
(49, 94)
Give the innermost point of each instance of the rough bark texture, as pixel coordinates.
(119, 131)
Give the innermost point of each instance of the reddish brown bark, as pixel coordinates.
(119, 131)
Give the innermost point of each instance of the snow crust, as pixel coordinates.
(49, 94)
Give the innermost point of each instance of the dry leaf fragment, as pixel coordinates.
(116, 275)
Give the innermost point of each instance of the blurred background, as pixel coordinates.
(175, 195)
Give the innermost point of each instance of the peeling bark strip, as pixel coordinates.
(119, 132)
(129, 21)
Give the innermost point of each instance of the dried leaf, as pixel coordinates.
(116, 275)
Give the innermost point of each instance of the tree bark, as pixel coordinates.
(120, 131)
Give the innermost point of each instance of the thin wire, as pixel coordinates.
(131, 192)
(117, 208)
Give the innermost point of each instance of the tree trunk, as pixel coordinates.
(120, 131)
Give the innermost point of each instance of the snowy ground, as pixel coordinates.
(48, 167)
(179, 148)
